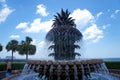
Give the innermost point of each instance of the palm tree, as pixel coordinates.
(12, 46)
(1, 47)
(64, 35)
(26, 48)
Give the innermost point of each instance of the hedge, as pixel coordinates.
(113, 64)
(15, 66)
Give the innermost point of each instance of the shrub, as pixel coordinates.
(113, 64)
(15, 66)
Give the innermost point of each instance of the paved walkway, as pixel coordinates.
(2, 74)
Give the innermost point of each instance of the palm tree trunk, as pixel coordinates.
(12, 56)
(27, 57)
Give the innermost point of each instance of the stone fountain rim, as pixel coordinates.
(91, 61)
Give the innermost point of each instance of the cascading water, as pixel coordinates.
(75, 72)
(66, 70)
(25, 68)
(51, 72)
(58, 73)
(82, 68)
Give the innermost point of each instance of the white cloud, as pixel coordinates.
(22, 25)
(98, 38)
(14, 36)
(93, 33)
(37, 26)
(85, 18)
(41, 9)
(5, 11)
(98, 15)
(82, 17)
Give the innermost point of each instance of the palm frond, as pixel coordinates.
(77, 46)
(78, 54)
(51, 54)
(51, 47)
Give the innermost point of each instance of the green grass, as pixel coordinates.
(113, 64)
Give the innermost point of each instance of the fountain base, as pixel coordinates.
(65, 70)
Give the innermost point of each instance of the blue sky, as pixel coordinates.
(98, 20)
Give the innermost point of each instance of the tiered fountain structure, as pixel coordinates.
(65, 70)
(64, 37)
(94, 69)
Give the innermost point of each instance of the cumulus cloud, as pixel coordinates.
(14, 36)
(5, 11)
(36, 26)
(22, 25)
(85, 18)
(98, 38)
(82, 17)
(41, 9)
(93, 33)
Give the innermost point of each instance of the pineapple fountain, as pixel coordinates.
(64, 37)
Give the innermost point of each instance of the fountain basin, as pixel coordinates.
(65, 70)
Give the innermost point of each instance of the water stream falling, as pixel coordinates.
(67, 72)
(64, 70)
(51, 72)
(59, 72)
(75, 73)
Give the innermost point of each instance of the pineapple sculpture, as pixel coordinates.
(64, 35)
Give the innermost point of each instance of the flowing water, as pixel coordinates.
(97, 71)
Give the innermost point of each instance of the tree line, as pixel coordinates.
(23, 48)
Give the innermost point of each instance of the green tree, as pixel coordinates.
(12, 46)
(26, 48)
(64, 35)
(1, 47)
